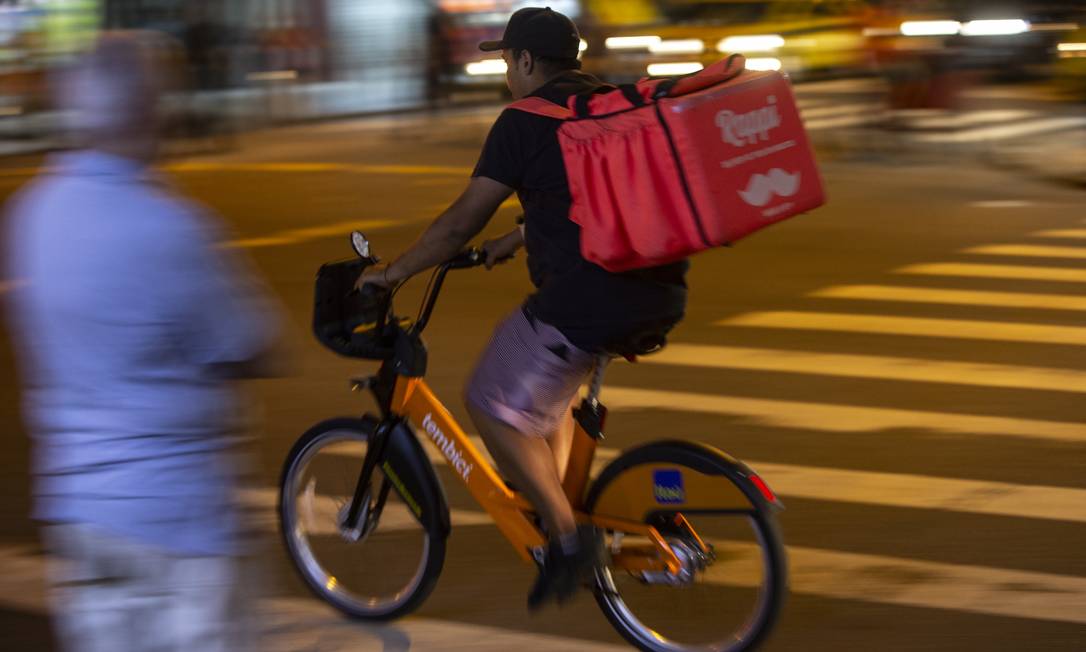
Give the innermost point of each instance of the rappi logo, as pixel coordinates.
(741, 129)
(761, 188)
(447, 446)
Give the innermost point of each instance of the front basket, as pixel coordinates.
(341, 313)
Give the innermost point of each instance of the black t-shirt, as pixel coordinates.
(595, 309)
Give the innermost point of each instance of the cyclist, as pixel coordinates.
(521, 392)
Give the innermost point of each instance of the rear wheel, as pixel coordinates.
(381, 569)
(733, 572)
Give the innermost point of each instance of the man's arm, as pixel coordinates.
(447, 235)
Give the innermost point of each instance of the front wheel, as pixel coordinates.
(719, 524)
(383, 567)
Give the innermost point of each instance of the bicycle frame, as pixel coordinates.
(413, 399)
(404, 396)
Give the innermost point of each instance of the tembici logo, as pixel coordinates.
(447, 447)
(667, 486)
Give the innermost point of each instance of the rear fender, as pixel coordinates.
(676, 475)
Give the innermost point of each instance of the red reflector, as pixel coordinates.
(764, 488)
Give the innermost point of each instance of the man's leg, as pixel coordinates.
(561, 440)
(529, 463)
(99, 590)
(519, 398)
(203, 613)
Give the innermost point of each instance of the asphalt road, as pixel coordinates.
(904, 365)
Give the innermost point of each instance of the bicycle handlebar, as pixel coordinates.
(472, 257)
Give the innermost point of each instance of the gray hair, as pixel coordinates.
(114, 89)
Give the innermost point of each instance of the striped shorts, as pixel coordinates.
(528, 375)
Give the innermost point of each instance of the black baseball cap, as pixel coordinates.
(541, 31)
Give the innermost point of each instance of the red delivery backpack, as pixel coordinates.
(665, 168)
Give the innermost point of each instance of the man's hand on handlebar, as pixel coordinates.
(500, 250)
(376, 275)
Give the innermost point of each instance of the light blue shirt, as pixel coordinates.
(125, 310)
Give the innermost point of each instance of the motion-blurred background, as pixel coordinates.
(250, 62)
(905, 366)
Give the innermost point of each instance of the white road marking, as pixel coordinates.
(914, 583)
(1029, 251)
(914, 326)
(1001, 203)
(308, 624)
(977, 270)
(836, 110)
(925, 492)
(787, 480)
(842, 86)
(806, 103)
(870, 366)
(836, 123)
(953, 297)
(968, 118)
(1003, 132)
(295, 236)
(1079, 234)
(292, 624)
(827, 417)
(317, 167)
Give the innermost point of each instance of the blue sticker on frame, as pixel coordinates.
(667, 486)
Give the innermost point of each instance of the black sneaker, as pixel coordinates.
(564, 571)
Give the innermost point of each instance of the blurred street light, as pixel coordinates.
(679, 46)
(930, 27)
(631, 42)
(755, 43)
(763, 63)
(486, 67)
(676, 68)
(995, 27)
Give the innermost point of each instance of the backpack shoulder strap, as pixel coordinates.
(540, 106)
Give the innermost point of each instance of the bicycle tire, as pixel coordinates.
(309, 569)
(773, 589)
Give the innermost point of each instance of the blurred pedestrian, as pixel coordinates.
(131, 321)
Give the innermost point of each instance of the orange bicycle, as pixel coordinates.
(696, 560)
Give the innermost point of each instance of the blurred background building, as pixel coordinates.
(257, 61)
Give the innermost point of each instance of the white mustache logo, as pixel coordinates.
(762, 187)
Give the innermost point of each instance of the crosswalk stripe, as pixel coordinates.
(1034, 251)
(914, 583)
(826, 417)
(870, 366)
(289, 623)
(314, 167)
(806, 103)
(1062, 233)
(968, 118)
(925, 492)
(952, 297)
(294, 236)
(308, 624)
(843, 121)
(811, 483)
(834, 110)
(916, 326)
(1002, 132)
(978, 270)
